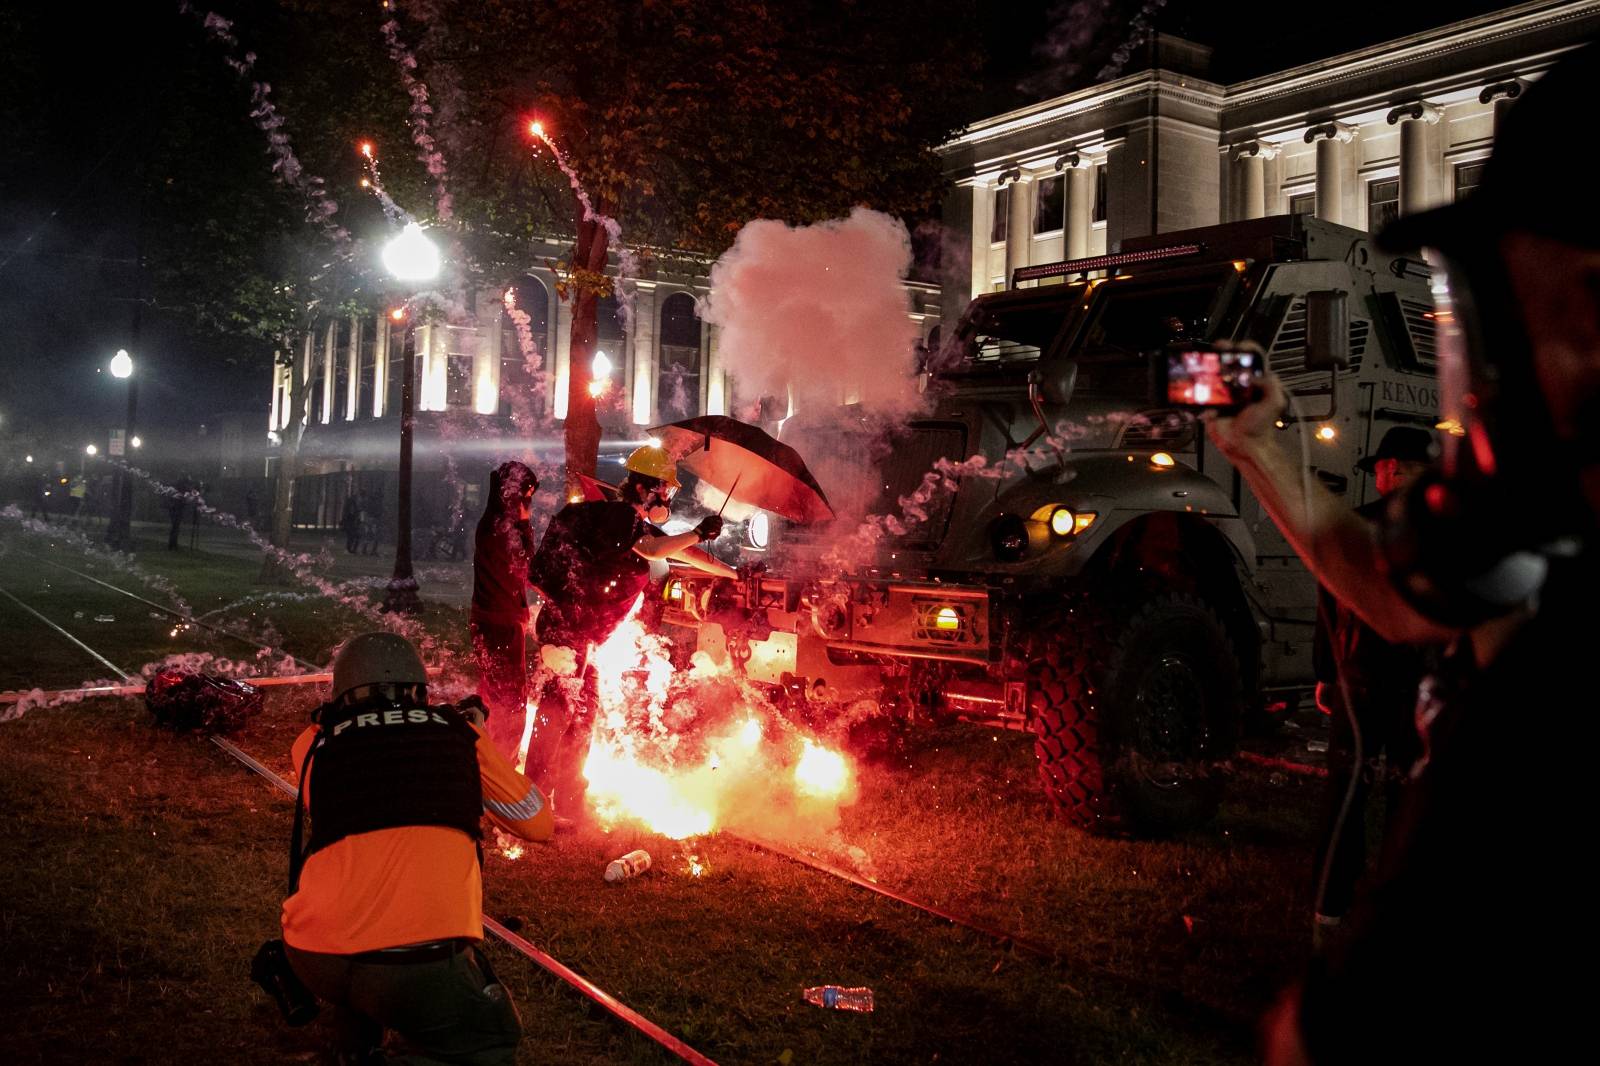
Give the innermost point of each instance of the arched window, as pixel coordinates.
(516, 379)
(678, 372)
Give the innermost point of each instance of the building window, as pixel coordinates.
(1302, 203)
(1050, 207)
(1468, 177)
(459, 345)
(1383, 203)
(678, 374)
(998, 217)
(341, 367)
(516, 381)
(1099, 193)
(368, 356)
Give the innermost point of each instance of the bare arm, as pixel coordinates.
(1335, 542)
(666, 546)
(701, 559)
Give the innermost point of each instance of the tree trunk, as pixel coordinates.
(288, 467)
(583, 427)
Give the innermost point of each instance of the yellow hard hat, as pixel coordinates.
(653, 461)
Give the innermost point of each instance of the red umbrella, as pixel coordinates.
(730, 455)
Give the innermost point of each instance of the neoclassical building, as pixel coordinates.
(1355, 139)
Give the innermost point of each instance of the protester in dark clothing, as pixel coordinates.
(177, 504)
(499, 616)
(1368, 687)
(592, 566)
(40, 507)
(350, 522)
(1471, 943)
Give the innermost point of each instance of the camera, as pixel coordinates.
(1206, 377)
(271, 970)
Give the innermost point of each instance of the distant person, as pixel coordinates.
(177, 504)
(250, 504)
(40, 505)
(385, 913)
(371, 525)
(498, 620)
(77, 492)
(350, 522)
(1368, 688)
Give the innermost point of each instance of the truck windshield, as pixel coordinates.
(1007, 331)
(1131, 319)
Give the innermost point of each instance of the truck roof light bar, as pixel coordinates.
(1102, 262)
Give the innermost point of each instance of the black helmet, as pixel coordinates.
(376, 659)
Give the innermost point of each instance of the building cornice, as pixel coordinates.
(1147, 84)
(1429, 45)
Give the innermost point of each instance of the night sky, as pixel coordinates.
(67, 203)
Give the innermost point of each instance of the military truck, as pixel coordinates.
(1116, 591)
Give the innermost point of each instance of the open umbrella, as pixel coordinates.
(730, 455)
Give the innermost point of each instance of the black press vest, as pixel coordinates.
(382, 766)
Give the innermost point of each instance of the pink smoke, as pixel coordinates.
(819, 313)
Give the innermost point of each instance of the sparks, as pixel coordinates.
(537, 129)
(820, 772)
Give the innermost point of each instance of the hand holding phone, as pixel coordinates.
(1207, 377)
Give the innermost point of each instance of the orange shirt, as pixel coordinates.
(410, 884)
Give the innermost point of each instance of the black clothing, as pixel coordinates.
(1381, 682)
(500, 652)
(381, 766)
(588, 571)
(502, 547)
(1471, 946)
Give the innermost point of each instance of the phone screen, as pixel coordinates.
(1201, 377)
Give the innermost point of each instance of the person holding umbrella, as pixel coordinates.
(591, 567)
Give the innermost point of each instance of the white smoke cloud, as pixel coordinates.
(818, 314)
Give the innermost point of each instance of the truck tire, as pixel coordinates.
(1132, 715)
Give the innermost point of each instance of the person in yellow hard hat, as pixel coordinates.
(591, 567)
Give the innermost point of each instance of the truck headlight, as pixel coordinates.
(1062, 521)
(759, 530)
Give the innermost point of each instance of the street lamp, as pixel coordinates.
(118, 531)
(91, 451)
(135, 442)
(409, 257)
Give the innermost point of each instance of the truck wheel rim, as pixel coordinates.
(1170, 722)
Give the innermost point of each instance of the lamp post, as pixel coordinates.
(409, 257)
(119, 530)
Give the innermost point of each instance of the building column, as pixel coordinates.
(1250, 166)
(277, 393)
(352, 381)
(963, 262)
(384, 324)
(562, 368)
(1503, 94)
(1019, 224)
(1414, 120)
(486, 371)
(717, 400)
(1078, 172)
(328, 397)
(1330, 139)
(645, 352)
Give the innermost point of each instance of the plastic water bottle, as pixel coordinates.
(832, 997)
(630, 865)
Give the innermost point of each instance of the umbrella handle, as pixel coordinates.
(729, 496)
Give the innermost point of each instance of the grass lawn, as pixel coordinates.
(147, 867)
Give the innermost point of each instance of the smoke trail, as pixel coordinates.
(627, 260)
(391, 210)
(1140, 30)
(320, 207)
(121, 561)
(421, 129)
(1076, 27)
(298, 565)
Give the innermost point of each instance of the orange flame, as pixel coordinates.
(820, 772)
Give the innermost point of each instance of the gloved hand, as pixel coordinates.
(710, 527)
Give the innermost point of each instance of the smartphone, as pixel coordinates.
(1206, 377)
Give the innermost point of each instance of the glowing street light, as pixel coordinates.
(412, 256)
(91, 450)
(30, 458)
(136, 442)
(122, 364)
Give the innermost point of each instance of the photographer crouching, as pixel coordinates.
(385, 908)
(1467, 947)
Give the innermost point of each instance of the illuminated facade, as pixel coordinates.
(1356, 139)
